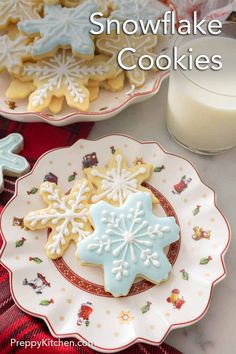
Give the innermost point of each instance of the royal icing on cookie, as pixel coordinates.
(63, 75)
(136, 10)
(118, 181)
(13, 52)
(63, 27)
(18, 90)
(10, 163)
(143, 45)
(128, 241)
(66, 216)
(102, 5)
(18, 10)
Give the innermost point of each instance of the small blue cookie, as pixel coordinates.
(128, 241)
(11, 164)
(63, 27)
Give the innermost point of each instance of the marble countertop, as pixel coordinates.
(215, 333)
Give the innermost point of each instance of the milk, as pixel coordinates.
(202, 104)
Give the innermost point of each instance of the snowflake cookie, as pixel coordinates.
(137, 10)
(10, 163)
(66, 216)
(18, 90)
(63, 27)
(63, 75)
(18, 10)
(128, 242)
(13, 52)
(118, 181)
(144, 45)
(102, 5)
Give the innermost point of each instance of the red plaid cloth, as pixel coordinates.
(39, 138)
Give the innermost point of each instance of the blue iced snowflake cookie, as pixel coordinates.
(10, 163)
(128, 241)
(63, 27)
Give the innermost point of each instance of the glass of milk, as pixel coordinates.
(201, 113)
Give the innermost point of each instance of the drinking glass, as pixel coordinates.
(201, 113)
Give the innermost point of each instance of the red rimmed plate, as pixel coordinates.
(106, 106)
(70, 298)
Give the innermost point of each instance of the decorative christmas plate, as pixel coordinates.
(71, 298)
(106, 106)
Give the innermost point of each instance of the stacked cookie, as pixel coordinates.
(108, 214)
(47, 48)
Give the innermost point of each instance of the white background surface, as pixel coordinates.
(215, 333)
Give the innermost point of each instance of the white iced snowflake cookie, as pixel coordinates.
(102, 5)
(128, 241)
(116, 182)
(66, 216)
(13, 52)
(18, 11)
(18, 90)
(63, 75)
(143, 45)
(136, 10)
